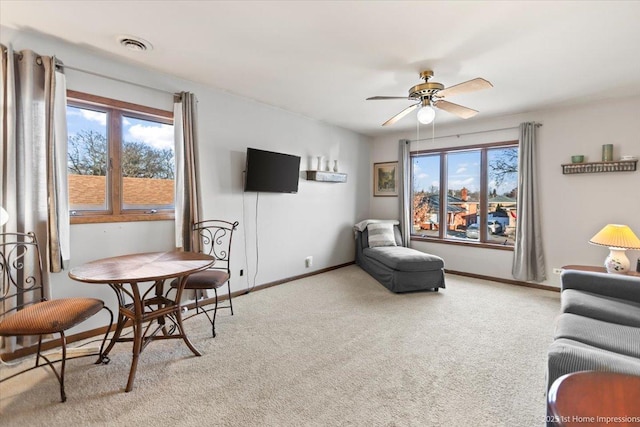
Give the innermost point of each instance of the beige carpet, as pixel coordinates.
(336, 349)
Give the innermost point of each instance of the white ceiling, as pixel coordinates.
(322, 59)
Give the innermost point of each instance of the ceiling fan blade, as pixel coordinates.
(456, 109)
(401, 114)
(377, 98)
(465, 87)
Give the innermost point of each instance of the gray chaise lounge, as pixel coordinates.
(398, 268)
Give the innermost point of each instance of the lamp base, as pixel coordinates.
(617, 261)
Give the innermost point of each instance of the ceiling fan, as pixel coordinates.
(432, 94)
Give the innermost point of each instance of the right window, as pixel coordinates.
(466, 195)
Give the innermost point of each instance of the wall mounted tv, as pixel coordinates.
(271, 172)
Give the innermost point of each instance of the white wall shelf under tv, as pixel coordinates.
(596, 167)
(326, 176)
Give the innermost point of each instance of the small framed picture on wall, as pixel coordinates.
(385, 179)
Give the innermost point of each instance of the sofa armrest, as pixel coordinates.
(612, 285)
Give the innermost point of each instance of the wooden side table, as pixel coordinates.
(591, 398)
(595, 269)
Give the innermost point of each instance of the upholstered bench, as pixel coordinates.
(398, 268)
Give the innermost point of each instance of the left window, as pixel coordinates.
(120, 160)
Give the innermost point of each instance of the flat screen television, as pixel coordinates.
(271, 172)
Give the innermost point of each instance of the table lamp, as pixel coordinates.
(618, 238)
(4, 216)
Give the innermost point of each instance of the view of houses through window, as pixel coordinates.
(120, 161)
(455, 191)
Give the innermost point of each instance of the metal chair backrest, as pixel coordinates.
(21, 272)
(215, 238)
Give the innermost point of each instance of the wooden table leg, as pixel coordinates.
(178, 314)
(138, 332)
(184, 335)
(121, 321)
(137, 345)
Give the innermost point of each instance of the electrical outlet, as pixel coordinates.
(241, 273)
(557, 271)
(308, 261)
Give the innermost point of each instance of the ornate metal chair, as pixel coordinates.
(216, 237)
(25, 312)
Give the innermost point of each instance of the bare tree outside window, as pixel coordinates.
(503, 165)
(140, 160)
(87, 155)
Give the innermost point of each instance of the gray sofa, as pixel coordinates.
(599, 327)
(398, 268)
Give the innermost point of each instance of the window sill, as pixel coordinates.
(462, 243)
(96, 219)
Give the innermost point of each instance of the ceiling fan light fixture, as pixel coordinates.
(432, 91)
(426, 114)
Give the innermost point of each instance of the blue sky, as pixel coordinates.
(155, 134)
(426, 172)
(463, 171)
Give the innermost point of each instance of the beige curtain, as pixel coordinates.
(188, 204)
(528, 257)
(34, 150)
(404, 193)
(33, 185)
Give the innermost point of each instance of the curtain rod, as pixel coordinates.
(117, 79)
(458, 135)
(60, 64)
(56, 62)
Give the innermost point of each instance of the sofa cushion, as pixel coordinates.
(600, 307)
(381, 234)
(608, 336)
(404, 259)
(566, 356)
(622, 286)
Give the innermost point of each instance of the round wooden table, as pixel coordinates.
(592, 398)
(125, 274)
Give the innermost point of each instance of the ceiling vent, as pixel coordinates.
(135, 44)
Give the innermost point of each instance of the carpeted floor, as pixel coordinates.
(336, 349)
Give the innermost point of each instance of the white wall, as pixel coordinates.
(573, 207)
(314, 222)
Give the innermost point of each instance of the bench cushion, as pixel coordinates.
(404, 259)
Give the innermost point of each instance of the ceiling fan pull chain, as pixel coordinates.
(418, 133)
(433, 131)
